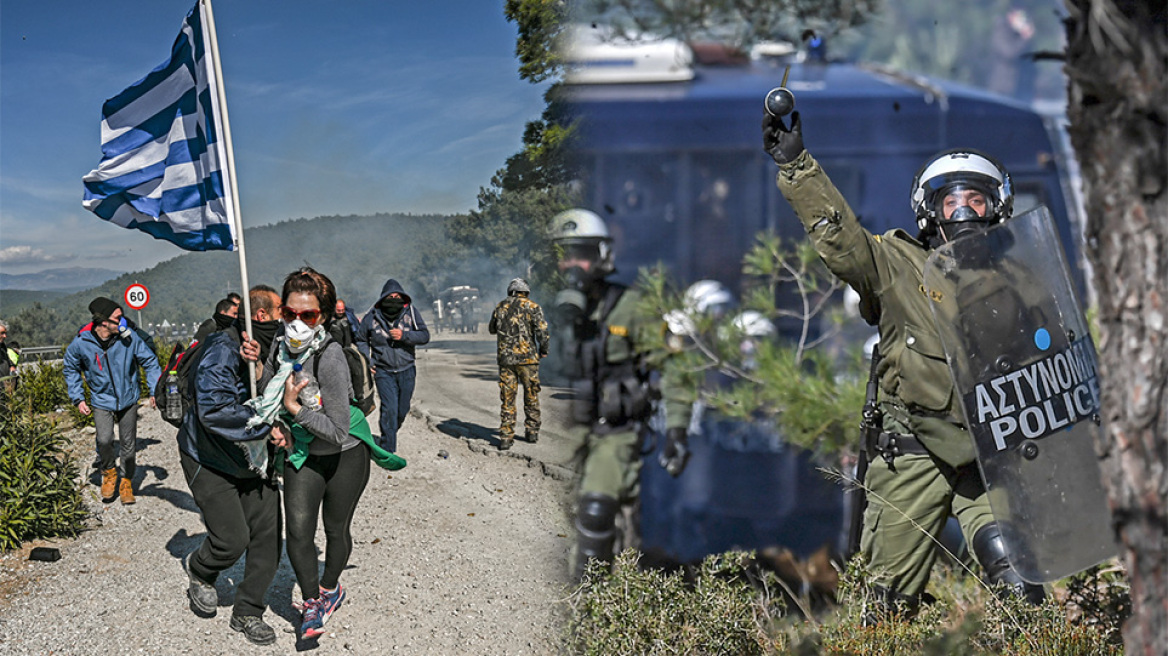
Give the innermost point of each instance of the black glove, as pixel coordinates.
(780, 142)
(676, 452)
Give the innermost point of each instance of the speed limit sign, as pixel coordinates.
(137, 296)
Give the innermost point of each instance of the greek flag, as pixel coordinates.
(164, 162)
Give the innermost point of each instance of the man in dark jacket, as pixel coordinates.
(240, 506)
(387, 336)
(107, 353)
(225, 313)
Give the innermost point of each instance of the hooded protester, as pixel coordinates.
(107, 353)
(388, 334)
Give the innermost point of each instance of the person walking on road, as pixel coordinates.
(522, 342)
(107, 353)
(327, 462)
(388, 335)
(239, 501)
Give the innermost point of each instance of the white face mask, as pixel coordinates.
(298, 335)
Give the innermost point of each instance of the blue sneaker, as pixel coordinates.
(329, 601)
(310, 623)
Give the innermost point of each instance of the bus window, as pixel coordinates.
(636, 194)
(723, 207)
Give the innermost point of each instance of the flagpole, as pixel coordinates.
(221, 92)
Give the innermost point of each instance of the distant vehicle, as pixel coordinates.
(671, 156)
(457, 309)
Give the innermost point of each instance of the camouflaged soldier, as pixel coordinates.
(523, 341)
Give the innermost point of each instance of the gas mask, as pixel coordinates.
(298, 335)
(123, 328)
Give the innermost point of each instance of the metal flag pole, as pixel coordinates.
(221, 95)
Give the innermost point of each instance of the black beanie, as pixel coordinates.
(101, 308)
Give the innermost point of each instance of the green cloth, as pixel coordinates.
(358, 428)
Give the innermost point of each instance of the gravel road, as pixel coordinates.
(463, 554)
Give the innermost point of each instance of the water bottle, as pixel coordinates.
(310, 395)
(172, 411)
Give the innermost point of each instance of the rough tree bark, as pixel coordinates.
(1117, 68)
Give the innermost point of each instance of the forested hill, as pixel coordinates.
(357, 252)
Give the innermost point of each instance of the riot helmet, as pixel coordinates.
(518, 285)
(708, 297)
(704, 297)
(960, 192)
(586, 247)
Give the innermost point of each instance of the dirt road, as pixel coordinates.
(462, 553)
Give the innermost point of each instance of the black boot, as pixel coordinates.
(990, 550)
(596, 529)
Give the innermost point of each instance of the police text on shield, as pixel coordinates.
(1041, 398)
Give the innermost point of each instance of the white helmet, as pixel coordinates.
(753, 323)
(955, 170)
(585, 233)
(708, 296)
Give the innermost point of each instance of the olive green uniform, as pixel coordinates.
(522, 340)
(612, 463)
(921, 490)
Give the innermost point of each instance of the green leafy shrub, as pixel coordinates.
(42, 388)
(652, 612)
(39, 495)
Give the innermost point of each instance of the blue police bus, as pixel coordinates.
(670, 155)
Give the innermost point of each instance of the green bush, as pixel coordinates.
(730, 606)
(42, 388)
(39, 494)
(634, 611)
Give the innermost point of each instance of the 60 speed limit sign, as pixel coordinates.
(137, 296)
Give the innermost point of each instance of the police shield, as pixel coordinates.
(1024, 365)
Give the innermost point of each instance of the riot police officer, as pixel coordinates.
(927, 470)
(613, 379)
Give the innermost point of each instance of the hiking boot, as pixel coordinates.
(531, 437)
(109, 484)
(311, 625)
(254, 628)
(330, 600)
(203, 596)
(505, 443)
(126, 490)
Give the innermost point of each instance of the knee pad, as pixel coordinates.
(596, 528)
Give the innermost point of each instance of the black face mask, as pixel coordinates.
(222, 321)
(391, 306)
(264, 332)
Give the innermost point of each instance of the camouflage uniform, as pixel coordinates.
(523, 340)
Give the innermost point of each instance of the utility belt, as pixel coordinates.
(891, 445)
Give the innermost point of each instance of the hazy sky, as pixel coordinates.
(343, 107)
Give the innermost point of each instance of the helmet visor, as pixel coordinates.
(964, 201)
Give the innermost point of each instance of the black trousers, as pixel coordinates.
(242, 516)
(329, 487)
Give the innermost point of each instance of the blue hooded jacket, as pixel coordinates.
(373, 339)
(112, 374)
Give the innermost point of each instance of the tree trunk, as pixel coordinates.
(1117, 68)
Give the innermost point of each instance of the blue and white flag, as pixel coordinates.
(164, 159)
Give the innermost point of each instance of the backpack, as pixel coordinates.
(182, 361)
(364, 389)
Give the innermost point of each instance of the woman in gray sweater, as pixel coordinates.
(327, 467)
